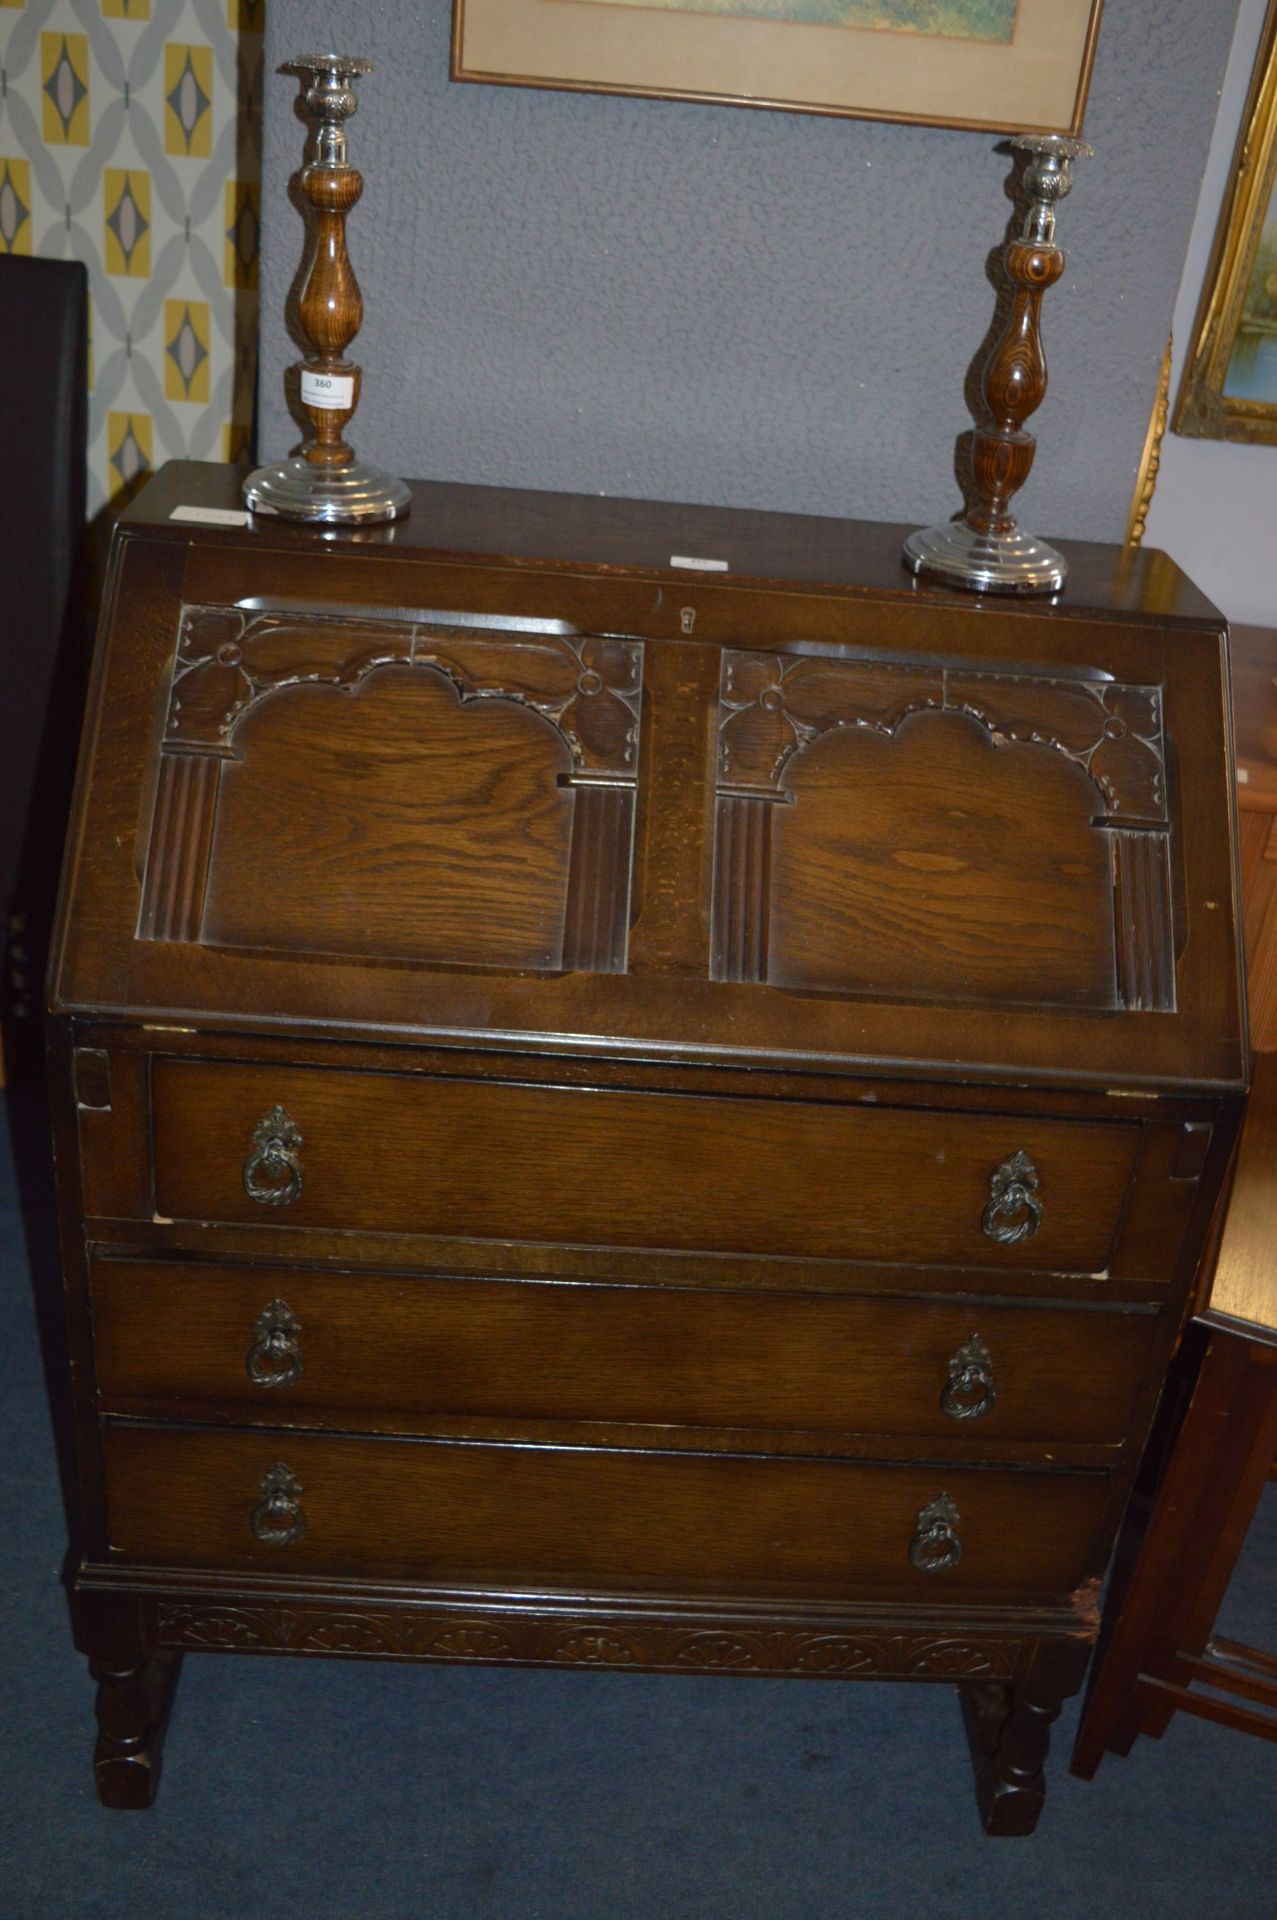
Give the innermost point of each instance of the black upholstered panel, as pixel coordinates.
(43, 317)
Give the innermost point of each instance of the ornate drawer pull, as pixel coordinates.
(274, 1359)
(969, 1392)
(1014, 1211)
(936, 1548)
(277, 1520)
(273, 1171)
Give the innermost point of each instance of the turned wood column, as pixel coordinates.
(331, 310)
(1014, 386)
(326, 482)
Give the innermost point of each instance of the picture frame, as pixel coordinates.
(1229, 386)
(1002, 66)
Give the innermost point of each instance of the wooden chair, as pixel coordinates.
(1162, 1655)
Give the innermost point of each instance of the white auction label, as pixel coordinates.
(211, 516)
(336, 391)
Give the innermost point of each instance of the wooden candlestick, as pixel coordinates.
(985, 550)
(325, 482)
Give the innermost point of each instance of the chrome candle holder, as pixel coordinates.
(325, 482)
(985, 550)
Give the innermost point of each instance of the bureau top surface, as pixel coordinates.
(590, 530)
(508, 775)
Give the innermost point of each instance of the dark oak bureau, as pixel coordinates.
(613, 1113)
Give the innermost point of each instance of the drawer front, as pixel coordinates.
(278, 1346)
(539, 1517)
(416, 1154)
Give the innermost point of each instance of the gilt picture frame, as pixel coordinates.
(998, 65)
(1229, 386)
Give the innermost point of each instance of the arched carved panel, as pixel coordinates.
(398, 824)
(495, 769)
(924, 831)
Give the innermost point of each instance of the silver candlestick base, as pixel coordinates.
(357, 495)
(1013, 562)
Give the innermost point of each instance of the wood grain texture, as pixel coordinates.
(497, 786)
(230, 658)
(1215, 1472)
(181, 843)
(1158, 1226)
(882, 873)
(290, 628)
(585, 530)
(1253, 653)
(596, 911)
(1257, 835)
(446, 1057)
(1244, 1286)
(742, 887)
(422, 1346)
(448, 1156)
(518, 1518)
(730, 1643)
(398, 825)
(1014, 387)
(1253, 661)
(1142, 914)
(115, 1176)
(911, 865)
(330, 308)
(1009, 1729)
(132, 1711)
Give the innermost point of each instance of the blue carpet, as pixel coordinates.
(308, 1790)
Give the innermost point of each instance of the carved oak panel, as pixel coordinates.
(396, 787)
(528, 1638)
(920, 830)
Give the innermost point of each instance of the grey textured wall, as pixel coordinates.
(732, 306)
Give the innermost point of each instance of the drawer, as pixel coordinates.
(280, 1346)
(505, 1517)
(410, 1153)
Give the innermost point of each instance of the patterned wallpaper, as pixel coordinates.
(129, 139)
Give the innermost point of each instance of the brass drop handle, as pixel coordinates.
(274, 1359)
(273, 1169)
(277, 1520)
(1014, 1212)
(970, 1391)
(935, 1547)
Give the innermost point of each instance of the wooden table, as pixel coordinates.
(1163, 1643)
(1254, 666)
(1163, 1650)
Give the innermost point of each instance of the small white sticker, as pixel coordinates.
(211, 516)
(1243, 776)
(334, 391)
(698, 566)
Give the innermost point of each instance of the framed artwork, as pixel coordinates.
(1005, 65)
(1229, 388)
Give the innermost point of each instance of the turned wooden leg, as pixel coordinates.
(133, 1708)
(1009, 1730)
(135, 1689)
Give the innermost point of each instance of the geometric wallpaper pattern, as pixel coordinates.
(130, 140)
